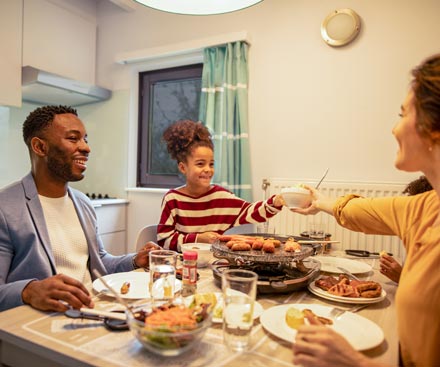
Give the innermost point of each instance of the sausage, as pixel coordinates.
(241, 246)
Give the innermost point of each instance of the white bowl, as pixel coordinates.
(204, 254)
(296, 197)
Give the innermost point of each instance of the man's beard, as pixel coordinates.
(58, 165)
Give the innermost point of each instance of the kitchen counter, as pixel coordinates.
(100, 202)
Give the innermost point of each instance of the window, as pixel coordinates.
(165, 96)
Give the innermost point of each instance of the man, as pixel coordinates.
(48, 232)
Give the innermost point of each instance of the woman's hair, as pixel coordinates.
(426, 88)
(417, 186)
(185, 135)
(40, 119)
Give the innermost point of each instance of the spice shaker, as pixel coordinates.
(189, 273)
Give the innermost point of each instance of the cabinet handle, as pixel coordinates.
(97, 205)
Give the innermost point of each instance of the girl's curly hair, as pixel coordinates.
(185, 135)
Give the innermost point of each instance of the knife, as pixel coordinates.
(364, 253)
(345, 271)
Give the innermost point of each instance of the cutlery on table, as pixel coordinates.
(114, 292)
(337, 312)
(364, 253)
(92, 314)
(346, 272)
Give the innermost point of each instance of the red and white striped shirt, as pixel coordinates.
(184, 216)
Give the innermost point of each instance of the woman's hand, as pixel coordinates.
(390, 267)
(207, 237)
(319, 202)
(324, 347)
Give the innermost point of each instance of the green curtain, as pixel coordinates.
(224, 110)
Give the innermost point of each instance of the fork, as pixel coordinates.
(337, 312)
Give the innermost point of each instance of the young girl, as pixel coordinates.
(200, 211)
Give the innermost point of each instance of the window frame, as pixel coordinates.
(144, 179)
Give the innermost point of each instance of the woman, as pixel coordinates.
(200, 211)
(415, 219)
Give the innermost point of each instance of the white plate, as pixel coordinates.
(360, 300)
(360, 332)
(330, 264)
(218, 310)
(139, 283)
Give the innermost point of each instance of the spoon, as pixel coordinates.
(322, 178)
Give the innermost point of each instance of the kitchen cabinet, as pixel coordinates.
(112, 224)
(58, 39)
(10, 61)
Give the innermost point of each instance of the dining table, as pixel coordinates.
(29, 337)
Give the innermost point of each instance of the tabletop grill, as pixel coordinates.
(279, 272)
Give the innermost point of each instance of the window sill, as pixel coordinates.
(146, 190)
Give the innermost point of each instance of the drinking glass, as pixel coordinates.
(239, 291)
(162, 275)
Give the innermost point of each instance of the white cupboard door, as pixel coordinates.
(114, 243)
(10, 61)
(59, 41)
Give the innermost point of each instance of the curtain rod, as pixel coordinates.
(182, 48)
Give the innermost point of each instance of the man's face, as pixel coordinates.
(68, 149)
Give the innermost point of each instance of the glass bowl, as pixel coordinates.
(163, 339)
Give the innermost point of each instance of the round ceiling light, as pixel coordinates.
(198, 7)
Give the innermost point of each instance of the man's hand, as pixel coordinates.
(52, 294)
(142, 258)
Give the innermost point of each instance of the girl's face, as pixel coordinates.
(413, 154)
(199, 168)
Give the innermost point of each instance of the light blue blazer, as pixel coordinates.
(25, 249)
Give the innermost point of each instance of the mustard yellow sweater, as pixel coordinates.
(418, 295)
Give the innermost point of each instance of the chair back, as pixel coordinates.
(146, 234)
(243, 229)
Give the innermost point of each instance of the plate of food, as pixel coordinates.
(282, 322)
(130, 285)
(330, 264)
(216, 300)
(343, 290)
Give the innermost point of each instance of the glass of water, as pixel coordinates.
(239, 288)
(162, 275)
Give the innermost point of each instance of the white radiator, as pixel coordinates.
(290, 223)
